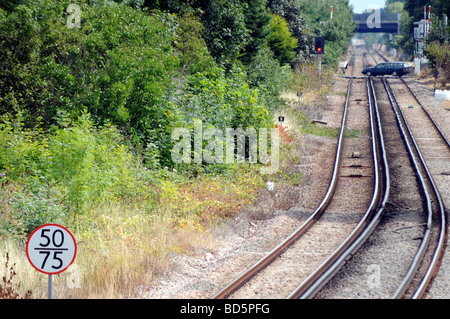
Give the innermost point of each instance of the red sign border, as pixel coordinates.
(74, 255)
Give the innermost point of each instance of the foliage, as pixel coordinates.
(257, 20)
(240, 32)
(414, 12)
(189, 44)
(291, 11)
(174, 6)
(280, 40)
(266, 73)
(136, 4)
(223, 101)
(438, 54)
(225, 31)
(224, 24)
(414, 8)
(72, 168)
(395, 7)
(107, 67)
(438, 33)
(437, 49)
(9, 4)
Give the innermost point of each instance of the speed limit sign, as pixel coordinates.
(51, 249)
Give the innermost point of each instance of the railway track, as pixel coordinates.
(374, 208)
(238, 282)
(321, 276)
(432, 195)
(429, 254)
(433, 245)
(426, 260)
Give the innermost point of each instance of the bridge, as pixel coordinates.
(377, 22)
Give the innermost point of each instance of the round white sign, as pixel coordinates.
(51, 248)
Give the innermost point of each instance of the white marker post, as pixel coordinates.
(51, 249)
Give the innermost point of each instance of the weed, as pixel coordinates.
(8, 290)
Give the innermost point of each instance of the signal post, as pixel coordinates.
(318, 50)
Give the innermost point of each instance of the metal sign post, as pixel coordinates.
(50, 287)
(320, 63)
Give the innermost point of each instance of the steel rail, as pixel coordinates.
(335, 261)
(280, 248)
(443, 233)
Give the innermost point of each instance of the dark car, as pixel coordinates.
(388, 68)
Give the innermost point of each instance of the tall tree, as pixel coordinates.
(290, 10)
(281, 40)
(257, 22)
(224, 24)
(225, 30)
(415, 8)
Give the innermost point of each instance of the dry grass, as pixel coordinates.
(16, 273)
(121, 250)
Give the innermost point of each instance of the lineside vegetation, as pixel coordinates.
(86, 116)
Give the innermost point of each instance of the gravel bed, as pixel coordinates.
(248, 237)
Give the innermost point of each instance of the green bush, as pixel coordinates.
(78, 166)
(118, 67)
(265, 73)
(35, 210)
(225, 31)
(436, 54)
(126, 67)
(280, 40)
(223, 100)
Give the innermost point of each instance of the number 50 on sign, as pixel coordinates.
(51, 249)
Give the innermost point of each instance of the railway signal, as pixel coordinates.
(318, 50)
(319, 45)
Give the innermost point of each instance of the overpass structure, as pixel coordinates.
(377, 22)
